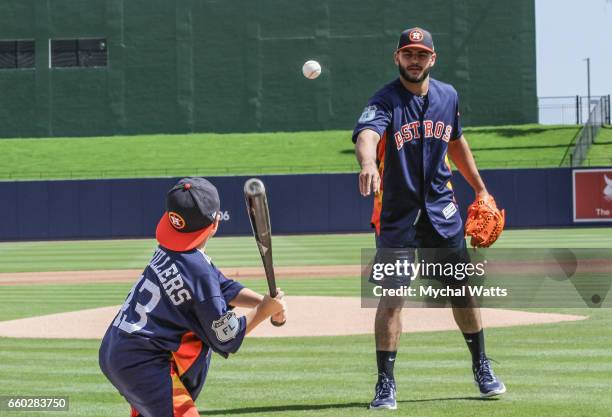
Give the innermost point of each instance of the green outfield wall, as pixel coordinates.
(234, 66)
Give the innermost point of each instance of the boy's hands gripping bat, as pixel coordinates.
(259, 215)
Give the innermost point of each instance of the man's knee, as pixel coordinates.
(467, 301)
(391, 305)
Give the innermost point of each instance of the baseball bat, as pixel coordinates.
(259, 215)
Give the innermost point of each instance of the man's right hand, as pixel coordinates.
(369, 179)
(365, 151)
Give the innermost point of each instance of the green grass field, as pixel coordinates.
(251, 153)
(561, 370)
(342, 249)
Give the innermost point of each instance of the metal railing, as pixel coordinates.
(576, 153)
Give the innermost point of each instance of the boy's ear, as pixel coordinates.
(216, 223)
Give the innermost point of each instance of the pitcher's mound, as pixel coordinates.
(308, 316)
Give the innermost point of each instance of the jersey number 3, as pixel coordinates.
(141, 310)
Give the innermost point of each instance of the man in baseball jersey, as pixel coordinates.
(402, 141)
(157, 351)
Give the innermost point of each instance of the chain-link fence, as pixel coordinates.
(598, 116)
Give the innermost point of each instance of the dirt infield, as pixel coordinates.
(308, 316)
(131, 275)
(546, 267)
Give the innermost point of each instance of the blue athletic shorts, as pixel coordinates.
(427, 246)
(155, 383)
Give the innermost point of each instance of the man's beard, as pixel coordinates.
(406, 75)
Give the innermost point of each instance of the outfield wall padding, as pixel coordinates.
(180, 66)
(310, 203)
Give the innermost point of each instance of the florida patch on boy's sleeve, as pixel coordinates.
(227, 327)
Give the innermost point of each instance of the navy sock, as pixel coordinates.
(476, 344)
(385, 361)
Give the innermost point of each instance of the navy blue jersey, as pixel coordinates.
(412, 159)
(180, 298)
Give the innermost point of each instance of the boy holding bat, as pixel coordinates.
(157, 350)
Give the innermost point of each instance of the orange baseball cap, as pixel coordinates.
(191, 209)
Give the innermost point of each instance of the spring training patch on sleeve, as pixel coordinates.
(368, 114)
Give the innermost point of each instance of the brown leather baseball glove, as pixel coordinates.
(485, 222)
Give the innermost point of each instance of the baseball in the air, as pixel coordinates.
(311, 69)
